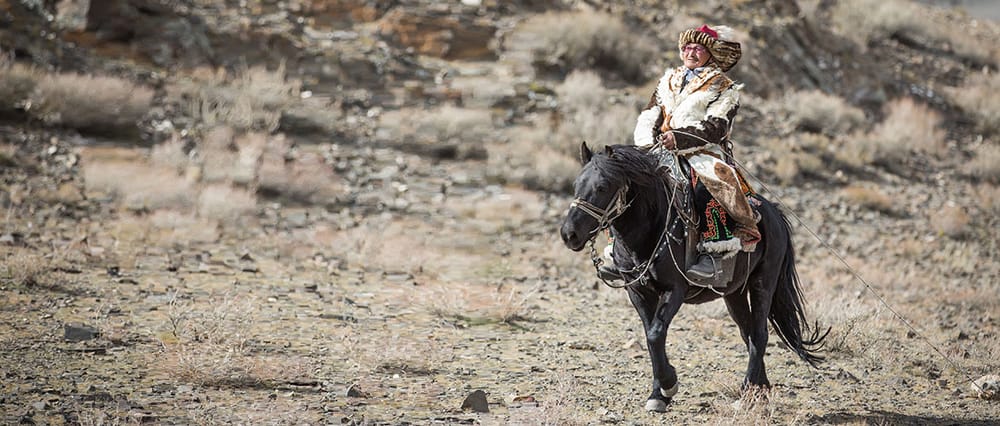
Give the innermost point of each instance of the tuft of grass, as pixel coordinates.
(565, 41)
(533, 160)
(868, 198)
(985, 163)
(466, 129)
(138, 186)
(977, 97)
(25, 269)
(867, 20)
(817, 112)
(252, 99)
(89, 102)
(952, 221)
(17, 81)
(909, 128)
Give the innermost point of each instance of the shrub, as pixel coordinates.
(818, 112)
(89, 102)
(866, 20)
(952, 221)
(574, 40)
(985, 163)
(909, 128)
(868, 198)
(978, 98)
(225, 203)
(253, 99)
(17, 81)
(589, 114)
(139, 186)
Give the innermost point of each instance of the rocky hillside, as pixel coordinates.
(345, 211)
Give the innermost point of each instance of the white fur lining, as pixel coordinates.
(730, 247)
(643, 133)
(728, 99)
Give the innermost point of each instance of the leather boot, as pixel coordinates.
(609, 273)
(710, 270)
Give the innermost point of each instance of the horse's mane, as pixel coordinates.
(627, 163)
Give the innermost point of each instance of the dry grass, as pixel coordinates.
(952, 221)
(139, 186)
(753, 407)
(214, 347)
(381, 352)
(908, 128)
(985, 163)
(589, 114)
(23, 269)
(252, 99)
(447, 124)
(559, 406)
(89, 102)
(868, 198)
(528, 160)
(17, 81)
(480, 306)
(817, 112)
(866, 20)
(978, 98)
(225, 203)
(304, 177)
(564, 41)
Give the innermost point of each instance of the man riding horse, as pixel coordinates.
(690, 115)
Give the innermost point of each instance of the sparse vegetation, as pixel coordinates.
(868, 198)
(565, 41)
(976, 97)
(818, 112)
(251, 99)
(17, 81)
(89, 102)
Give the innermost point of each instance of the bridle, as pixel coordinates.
(616, 207)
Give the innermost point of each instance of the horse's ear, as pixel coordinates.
(585, 153)
(608, 150)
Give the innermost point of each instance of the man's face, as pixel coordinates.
(694, 55)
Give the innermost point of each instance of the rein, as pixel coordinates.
(604, 216)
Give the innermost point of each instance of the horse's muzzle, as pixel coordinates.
(572, 236)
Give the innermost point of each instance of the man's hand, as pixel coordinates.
(667, 139)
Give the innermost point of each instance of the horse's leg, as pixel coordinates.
(664, 375)
(646, 300)
(761, 294)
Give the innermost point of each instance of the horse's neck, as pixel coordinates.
(642, 223)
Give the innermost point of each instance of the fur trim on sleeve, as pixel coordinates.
(727, 100)
(643, 133)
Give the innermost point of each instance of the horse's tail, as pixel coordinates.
(787, 312)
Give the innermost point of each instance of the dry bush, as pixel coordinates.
(214, 346)
(868, 198)
(579, 40)
(225, 203)
(139, 186)
(478, 306)
(952, 221)
(252, 99)
(447, 124)
(559, 406)
(528, 159)
(985, 163)
(978, 98)
(23, 269)
(817, 112)
(170, 227)
(589, 114)
(908, 128)
(17, 81)
(381, 352)
(754, 407)
(89, 102)
(866, 20)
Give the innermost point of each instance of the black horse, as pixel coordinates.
(639, 205)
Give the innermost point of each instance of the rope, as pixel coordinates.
(857, 275)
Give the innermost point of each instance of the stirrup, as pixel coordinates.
(722, 271)
(609, 273)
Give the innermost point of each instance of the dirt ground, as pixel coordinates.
(306, 315)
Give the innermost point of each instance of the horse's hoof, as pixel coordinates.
(669, 393)
(656, 405)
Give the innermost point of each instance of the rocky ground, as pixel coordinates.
(378, 243)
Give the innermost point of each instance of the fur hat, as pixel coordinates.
(727, 53)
